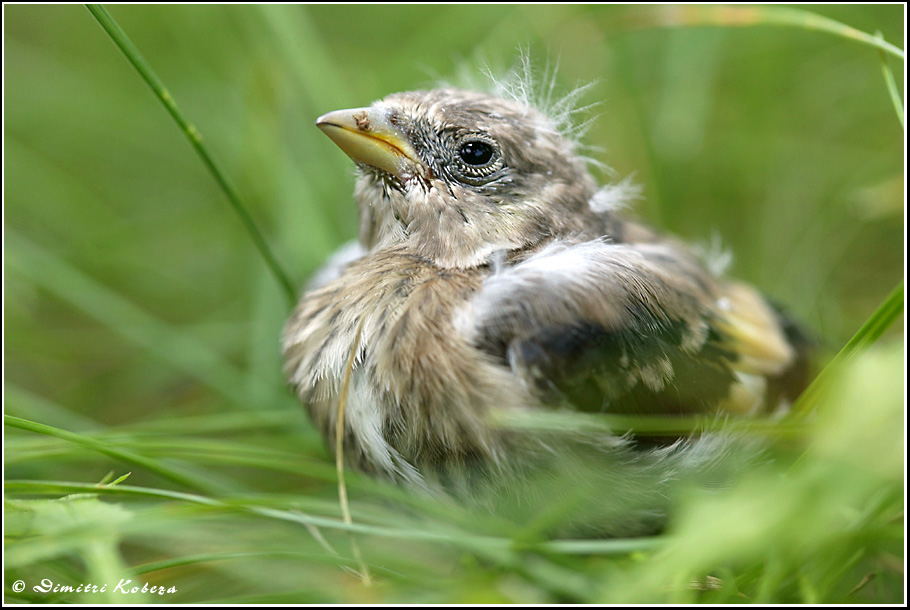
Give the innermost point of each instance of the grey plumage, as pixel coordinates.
(493, 273)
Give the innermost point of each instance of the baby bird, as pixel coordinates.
(492, 275)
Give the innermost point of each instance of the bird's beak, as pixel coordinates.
(368, 136)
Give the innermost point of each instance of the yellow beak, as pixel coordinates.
(367, 136)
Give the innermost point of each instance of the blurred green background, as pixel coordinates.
(137, 311)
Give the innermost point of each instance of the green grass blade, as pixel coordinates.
(292, 516)
(486, 545)
(892, 86)
(155, 566)
(574, 423)
(606, 546)
(890, 309)
(129, 50)
(744, 16)
(235, 421)
(129, 457)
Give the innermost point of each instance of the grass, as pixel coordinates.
(141, 324)
(135, 58)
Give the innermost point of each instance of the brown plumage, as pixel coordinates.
(492, 273)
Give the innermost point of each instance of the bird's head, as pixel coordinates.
(459, 175)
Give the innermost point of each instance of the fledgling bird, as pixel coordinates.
(493, 274)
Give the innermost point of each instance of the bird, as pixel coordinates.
(493, 276)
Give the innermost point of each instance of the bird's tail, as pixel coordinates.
(771, 352)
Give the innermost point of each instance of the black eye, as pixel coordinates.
(476, 152)
(476, 160)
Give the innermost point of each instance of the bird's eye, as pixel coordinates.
(476, 152)
(477, 160)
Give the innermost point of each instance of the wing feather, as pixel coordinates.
(633, 328)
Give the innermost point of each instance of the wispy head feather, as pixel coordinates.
(538, 89)
(535, 88)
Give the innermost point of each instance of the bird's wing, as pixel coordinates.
(633, 328)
